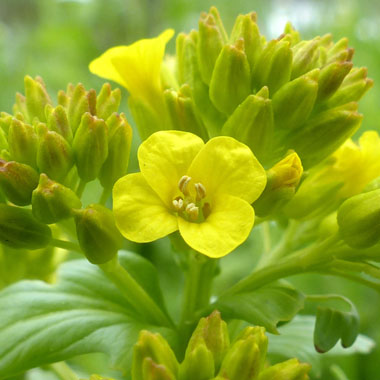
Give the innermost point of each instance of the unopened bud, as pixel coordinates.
(153, 346)
(252, 123)
(54, 155)
(52, 202)
(231, 78)
(19, 108)
(107, 102)
(17, 182)
(305, 57)
(290, 370)
(36, 98)
(97, 234)
(57, 121)
(154, 371)
(23, 142)
(3, 140)
(119, 147)
(359, 220)
(90, 146)
(20, 230)
(198, 364)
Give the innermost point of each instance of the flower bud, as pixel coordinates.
(305, 57)
(339, 51)
(97, 234)
(119, 147)
(231, 78)
(290, 370)
(246, 28)
(210, 43)
(52, 202)
(23, 142)
(19, 229)
(182, 112)
(54, 154)
(80, 102)
(293, 103)
(252, 123)
(107, 102)
(3, 140)
(324, 133)
(155, 347)
(154, 371)
(273, 67)
(17, 181)
(359, 220)
(291, 35)
(19, 108)
(36, 98)
(283, 179)
(5, 122)
(198, 364)
(330, 78)
(57, 121)
(90, 146)
(212, 332)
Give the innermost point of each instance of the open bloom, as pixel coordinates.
(204, 190)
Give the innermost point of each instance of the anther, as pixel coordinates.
(200, 190)
(178, 204)
(192, 211)
(182, 184)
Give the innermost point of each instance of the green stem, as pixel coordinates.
(105, 195)
(303, 260)
(68, 245)
(265, 231)
(63, 371)
(80, 188)
(366, 268)
(134, 293)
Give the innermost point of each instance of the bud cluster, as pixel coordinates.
(49, 152)
(211, 356)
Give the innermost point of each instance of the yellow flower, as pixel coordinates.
(136, 67)
(204, 190)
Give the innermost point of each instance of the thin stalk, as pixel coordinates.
(80, 188)
(63, 371)
(134, 293)
(68, 245)
(265, 231)
(105, 195)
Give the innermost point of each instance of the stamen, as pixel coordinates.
(200, 190)
(206, 210)
(182, 184)
(178, 204)
(192, 211)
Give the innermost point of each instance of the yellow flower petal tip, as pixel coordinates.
(136, 67)
(204, 190)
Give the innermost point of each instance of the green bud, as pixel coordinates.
(242, 361)
(182, 112)
(54, 154)
(359, 220)
(328, 226)
(211, 331)
(305, 57)
(273, 67)
(17, 181)
(214, 12)
(97, 234)
(57, 121)
(107, 102)
(23, 142)
(291, 35)
(155, 347)
(20, 106)
(19, 229)
(210, 43)
(5, 122)
(154, 371)
(330, 78)
(52, 202)
(36, 98)
(198, 364)
(246, 28)
(339, 51)
(282, 181)
(324, 133)
(293, 103)
(230, 82)
(80, 102)
(252, 123)
(290, 370)
(3, 140)
(119, 147)
(90, 146)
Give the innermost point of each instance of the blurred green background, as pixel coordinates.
(56, 39)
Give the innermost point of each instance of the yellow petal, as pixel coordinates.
(136, 67)
(225, 165)
(228, 226)
(164, 158)
(139, 213)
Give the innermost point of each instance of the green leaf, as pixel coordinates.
(266, 306)
(82, 313)
(297, 339)
(336, 319)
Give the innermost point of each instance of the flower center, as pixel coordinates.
(192, 204)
